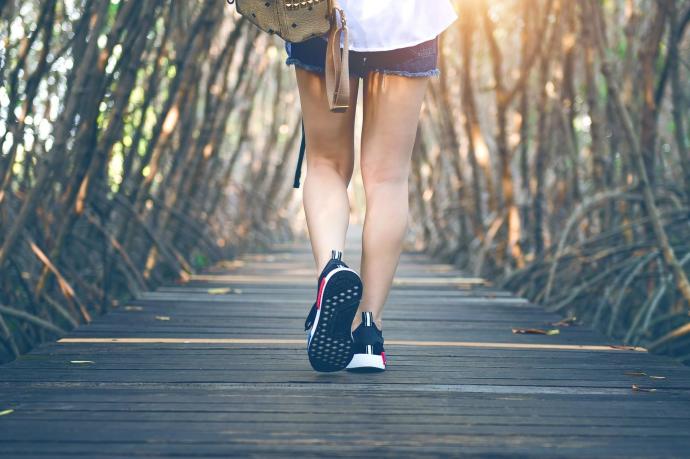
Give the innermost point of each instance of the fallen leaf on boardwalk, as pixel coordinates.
(642, 373)
(627, 348)
(635, 373)
(565, 322)
(6, 412)
(81, 362)
(133, 308)
(230, 264)
(162, 318)
(223, 291)
(637, 388)
(535, 331)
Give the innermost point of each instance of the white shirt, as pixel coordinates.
(380, 25)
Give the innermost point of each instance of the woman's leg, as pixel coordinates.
(330, 160)
(391, 112)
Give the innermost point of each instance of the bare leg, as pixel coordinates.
(330, 162)
(391, 112)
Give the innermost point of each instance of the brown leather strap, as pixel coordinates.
(337, 69)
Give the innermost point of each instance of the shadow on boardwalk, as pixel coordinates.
(217, 367)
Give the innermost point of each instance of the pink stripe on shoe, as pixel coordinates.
(319, 297)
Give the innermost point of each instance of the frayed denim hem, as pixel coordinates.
(315, 68)
(298, 63)
(432, 72)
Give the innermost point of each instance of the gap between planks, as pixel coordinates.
(480, 344)
(291, 280)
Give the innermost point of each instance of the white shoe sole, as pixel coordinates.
(366, 361)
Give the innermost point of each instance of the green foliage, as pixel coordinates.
(199, 260)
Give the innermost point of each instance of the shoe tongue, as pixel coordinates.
(367, 318)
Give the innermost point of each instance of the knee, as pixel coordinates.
(320, 165)
(377, 177)
(328, 157)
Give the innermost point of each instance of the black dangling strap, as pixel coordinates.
(298, 170)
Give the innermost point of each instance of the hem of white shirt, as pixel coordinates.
(396, 46)
(388, 48)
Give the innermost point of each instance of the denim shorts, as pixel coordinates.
(413, 61)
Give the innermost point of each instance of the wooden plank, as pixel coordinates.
(362, 445)
(579, 347)
(226, 375)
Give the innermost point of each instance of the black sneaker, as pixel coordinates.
(369, 354)
(329, 341)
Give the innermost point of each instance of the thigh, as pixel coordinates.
(329, 135)
(392, 104)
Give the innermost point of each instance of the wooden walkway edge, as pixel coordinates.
(217, 368)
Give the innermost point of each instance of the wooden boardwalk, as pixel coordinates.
(218, 368)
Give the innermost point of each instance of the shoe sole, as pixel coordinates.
(366, 363)
(330, 345)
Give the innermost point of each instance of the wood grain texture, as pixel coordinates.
(191, 370)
